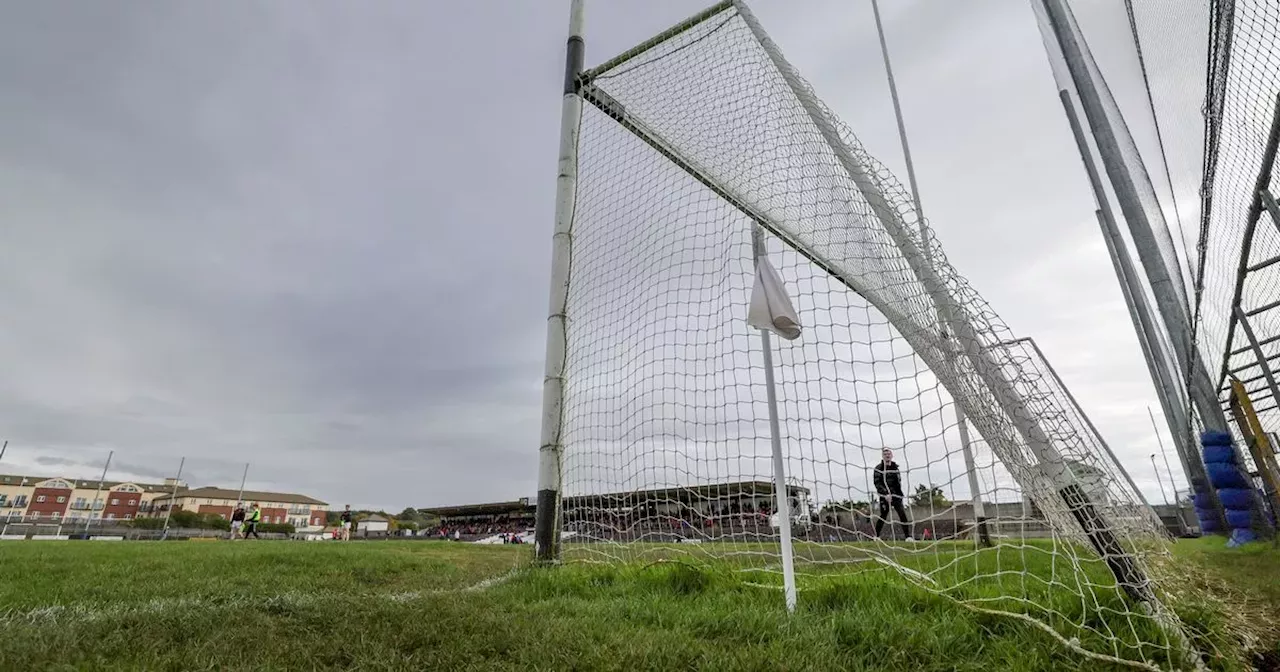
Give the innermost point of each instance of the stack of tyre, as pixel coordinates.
(1232, 484)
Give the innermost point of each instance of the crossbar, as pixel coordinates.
(674, 31)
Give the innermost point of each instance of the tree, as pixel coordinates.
(932, 494)
(846, 505)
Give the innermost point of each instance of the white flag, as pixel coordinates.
(770, 306)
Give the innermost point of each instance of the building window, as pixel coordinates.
(61, 499)
(39, 499)
(56, 515)
(133, 502)
(111, 516)
(20, 501)
(128, 516)
(114, 501)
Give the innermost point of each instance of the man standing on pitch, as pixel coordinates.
(251, 525)
(888, 482)
(346, 523)
(237, 520)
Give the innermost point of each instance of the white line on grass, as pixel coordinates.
(88, 613)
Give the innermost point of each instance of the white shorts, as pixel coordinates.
(346, 525)
(235, 525)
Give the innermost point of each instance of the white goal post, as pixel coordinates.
(654, 424)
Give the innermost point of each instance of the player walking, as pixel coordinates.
(251, 525)
(888, 482)
(237, 520)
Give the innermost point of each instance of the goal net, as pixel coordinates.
(687, 145)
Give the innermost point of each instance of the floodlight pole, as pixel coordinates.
(164, 534)
(1164, 495)
(243, 478)
(782, 507)
(1173, 485)
(546, 536)
(105, 467)
(3, 448)
(983, 537)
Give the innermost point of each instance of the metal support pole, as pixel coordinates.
(1170, 302)
(105, 467)
(1144, 324)
(546, 537)
(983, 537)
(3, 448)
(1164, 495)
(1258, 353)
(1259, 444)
(782, 506)
(164, 533)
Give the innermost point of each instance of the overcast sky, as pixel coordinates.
(315, 236)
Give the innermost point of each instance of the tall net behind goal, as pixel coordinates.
(686, 145)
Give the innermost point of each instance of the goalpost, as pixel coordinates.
(658, 395)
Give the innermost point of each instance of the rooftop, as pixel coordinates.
(248, 496)
(708, 491)
(92, 484)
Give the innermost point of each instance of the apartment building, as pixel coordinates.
(304, 513)
(43, 499)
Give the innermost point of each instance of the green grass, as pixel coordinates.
(403, 605)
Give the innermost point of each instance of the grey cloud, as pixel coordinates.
(306, 237)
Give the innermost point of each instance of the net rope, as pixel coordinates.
(665, 434)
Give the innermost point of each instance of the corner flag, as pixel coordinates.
(771, 308)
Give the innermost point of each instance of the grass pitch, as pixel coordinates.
(446, 606)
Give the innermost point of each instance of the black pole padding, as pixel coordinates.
(984, 535)
(546, 538)
(575, 55)
(1122, 565)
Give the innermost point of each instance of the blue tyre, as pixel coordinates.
(1225, 476)
(1239, 520)
(1215, 438)
(1202, 501)
(1208, 521)
(1236, 498)
(1219, 455)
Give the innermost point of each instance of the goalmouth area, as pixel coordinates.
(396, 605)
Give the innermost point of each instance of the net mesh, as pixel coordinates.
(1237, 236)
(685, 146)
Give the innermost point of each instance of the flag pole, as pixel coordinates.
(982, 537)
(781, 507)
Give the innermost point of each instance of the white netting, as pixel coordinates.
(665, 433)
